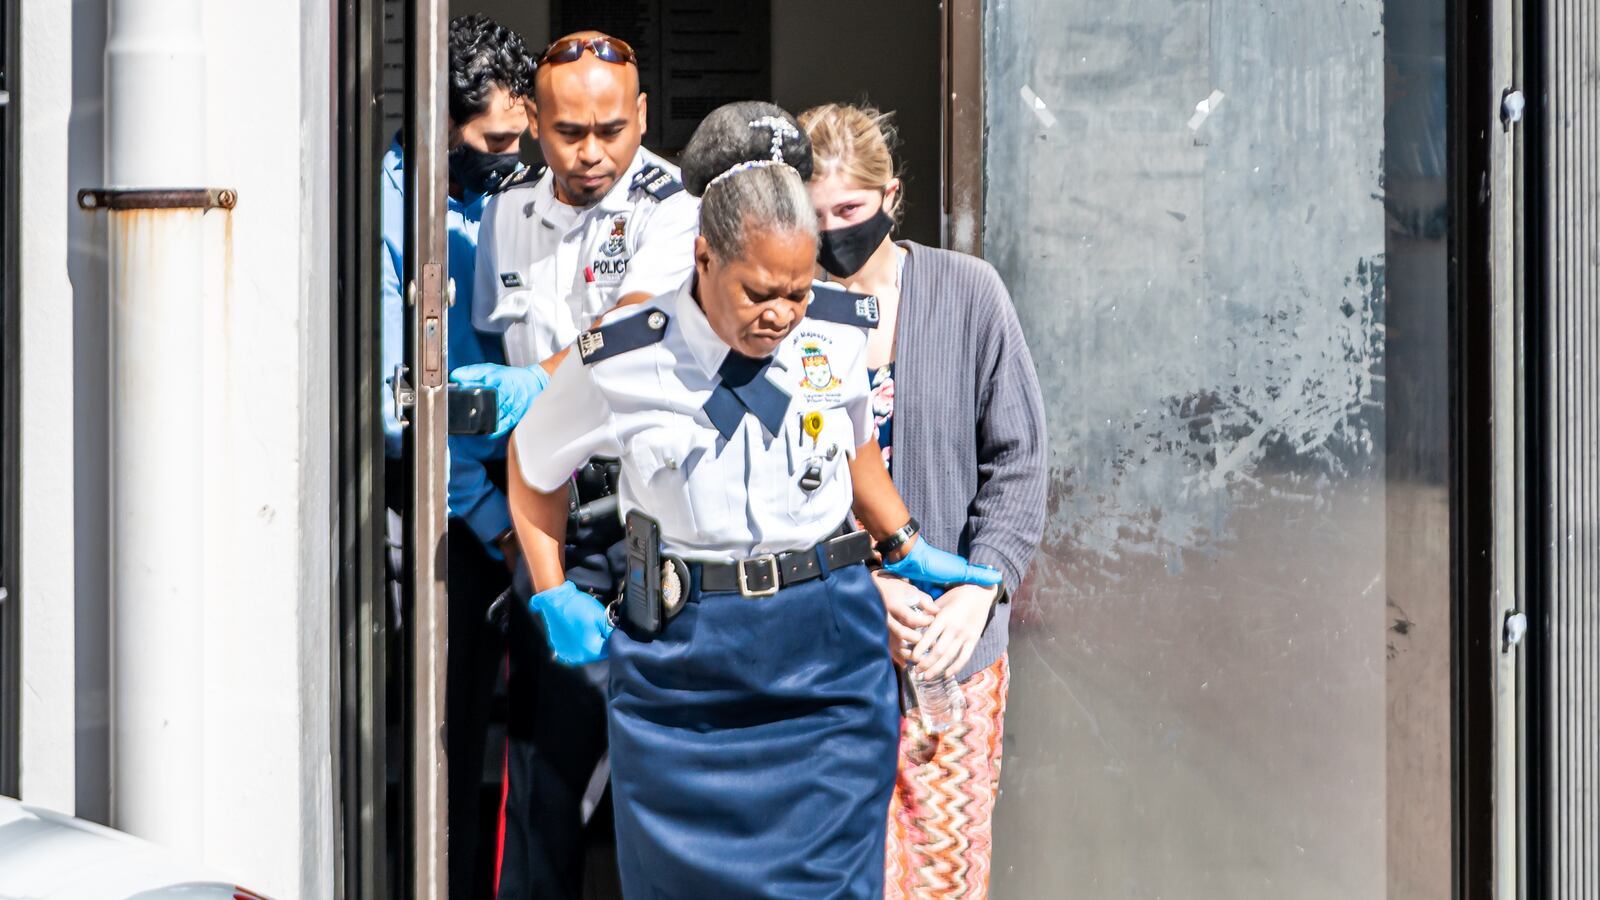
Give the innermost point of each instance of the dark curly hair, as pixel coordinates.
(727, 136)
(484, 55)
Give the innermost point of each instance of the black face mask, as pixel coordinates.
(477, 171)
(843, 251)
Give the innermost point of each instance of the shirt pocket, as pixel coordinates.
(675, 485)
(830, 453)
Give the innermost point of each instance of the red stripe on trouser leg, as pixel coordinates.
(505, 791)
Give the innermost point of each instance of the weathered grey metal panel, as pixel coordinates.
(1224, 224)
(1571, 449)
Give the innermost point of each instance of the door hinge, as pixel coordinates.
(1515, 628)
(1512, 106)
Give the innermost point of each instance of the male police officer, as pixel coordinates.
(606, 223)
(490, 73)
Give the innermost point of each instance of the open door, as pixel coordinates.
(391, 618)
(424, 285)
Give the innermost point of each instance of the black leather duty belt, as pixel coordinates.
(765, 575)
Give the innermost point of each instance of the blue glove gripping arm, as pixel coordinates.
(928, 564)
(515, 389)
(575, 623)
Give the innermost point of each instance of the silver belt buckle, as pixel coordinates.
(771, 560)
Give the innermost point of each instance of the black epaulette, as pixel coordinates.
(832, 303)
(605, 341)
(527, 176)
(656, 181)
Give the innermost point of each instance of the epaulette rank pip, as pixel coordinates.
(635, 331)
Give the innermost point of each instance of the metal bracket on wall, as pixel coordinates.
(157, 198)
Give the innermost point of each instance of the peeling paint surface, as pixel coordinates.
(1201, 698)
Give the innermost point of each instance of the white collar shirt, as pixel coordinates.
(717, 499)
(546, 270)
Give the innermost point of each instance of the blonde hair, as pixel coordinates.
(857, 143)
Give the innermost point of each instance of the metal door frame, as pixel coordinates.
(10, 409)
(1488, 495)
(425, 279)
(962, 178)
(359, 742)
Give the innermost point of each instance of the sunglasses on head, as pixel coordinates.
(609, 49)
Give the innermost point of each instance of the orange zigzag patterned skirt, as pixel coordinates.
(942, 812)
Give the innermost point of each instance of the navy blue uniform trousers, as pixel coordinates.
(754, 745)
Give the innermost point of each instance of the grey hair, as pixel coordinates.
(765, 200)
(748, 162)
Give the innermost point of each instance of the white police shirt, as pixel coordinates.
(536, 254)
(717, 499)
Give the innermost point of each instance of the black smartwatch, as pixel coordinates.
(898, 539)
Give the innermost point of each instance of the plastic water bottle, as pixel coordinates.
(939, 700)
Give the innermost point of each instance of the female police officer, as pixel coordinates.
(753, 714)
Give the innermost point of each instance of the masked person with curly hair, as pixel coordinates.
(960, 421)
(752, 709)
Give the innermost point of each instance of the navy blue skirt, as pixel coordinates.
(754, 744)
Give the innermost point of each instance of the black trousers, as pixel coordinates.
(556, 728)
(474, 656)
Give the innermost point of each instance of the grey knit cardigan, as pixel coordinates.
(969, 433)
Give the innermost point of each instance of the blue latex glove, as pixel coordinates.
(928, 565)
(515, 390)
(575, 623)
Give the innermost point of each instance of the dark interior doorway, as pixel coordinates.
(702, 54)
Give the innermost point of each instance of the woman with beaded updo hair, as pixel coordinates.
(960, 422)
(752, 716)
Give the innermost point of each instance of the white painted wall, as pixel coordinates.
(267, 762)
(47, 434)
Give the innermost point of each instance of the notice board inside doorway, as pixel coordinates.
(694, 55)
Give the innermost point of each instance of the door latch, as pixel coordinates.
(405, 396)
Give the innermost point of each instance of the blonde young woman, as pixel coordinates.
(961, 424)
